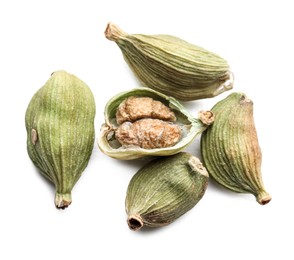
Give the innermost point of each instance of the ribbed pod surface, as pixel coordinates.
(173, 66)
(230, 148)
(164, 189)
(60, 131)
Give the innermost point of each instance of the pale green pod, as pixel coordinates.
(173, 66)
(165, 189)
(60, 132)
(230, 148)
(191, 126)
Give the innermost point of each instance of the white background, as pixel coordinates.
(39, 37)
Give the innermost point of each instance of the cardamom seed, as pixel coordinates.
(134, 108)
(165, 189)
(230, 148)
(173, 66)
(152, 124)
(60, 132)
(148, 133)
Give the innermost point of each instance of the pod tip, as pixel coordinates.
(263, 198)
(62, 201)
(113, 32)
(135, 222)
(197, 166)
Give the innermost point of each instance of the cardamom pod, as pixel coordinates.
(230, 148)
(173, 66)
(143, 122)
(165, 189)
(60, 132)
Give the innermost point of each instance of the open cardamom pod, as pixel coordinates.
(230, 148)
(142, 122)
(165, 189)
(173, 66)
(60, 132)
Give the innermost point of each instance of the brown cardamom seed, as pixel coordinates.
(134, 108)
(148, 134)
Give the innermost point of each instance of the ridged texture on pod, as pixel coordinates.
(60, 131)
(165, 189)
(173, 66)
(191, 127)
(230, 148)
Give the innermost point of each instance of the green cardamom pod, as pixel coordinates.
(173, 66)
(60, 132)
(230, 148)
(165, 189)
(143, 122)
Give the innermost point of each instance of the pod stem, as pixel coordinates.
(197, 166)
(62, 200)
(226, 85)
(206, 117)
(135, 222)
(263, 197)
(113, 32)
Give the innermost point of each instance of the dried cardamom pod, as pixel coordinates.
(60, 132)
(165, 189)
(173, 66)
(230, 148)
(134, 127)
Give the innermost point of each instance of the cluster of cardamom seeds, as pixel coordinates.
(150, 121)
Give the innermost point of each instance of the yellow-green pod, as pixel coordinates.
(165, 189)
(60, 132)
(162, 124)
(173, 66)
(230, 148)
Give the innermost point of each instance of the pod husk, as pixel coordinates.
(193, 126)
(230, 148)
(173, 66)
(165, 189)
(60, 132)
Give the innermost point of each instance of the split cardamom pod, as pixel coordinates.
(165, 189)
(60, 132)
(230, 148)
(143, 122)
(173, 66)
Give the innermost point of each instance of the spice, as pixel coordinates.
(60, 132)
(134, 108)
(148, 134)
(230, 148)
(167, 130)
(165, 189)
(173, 66)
